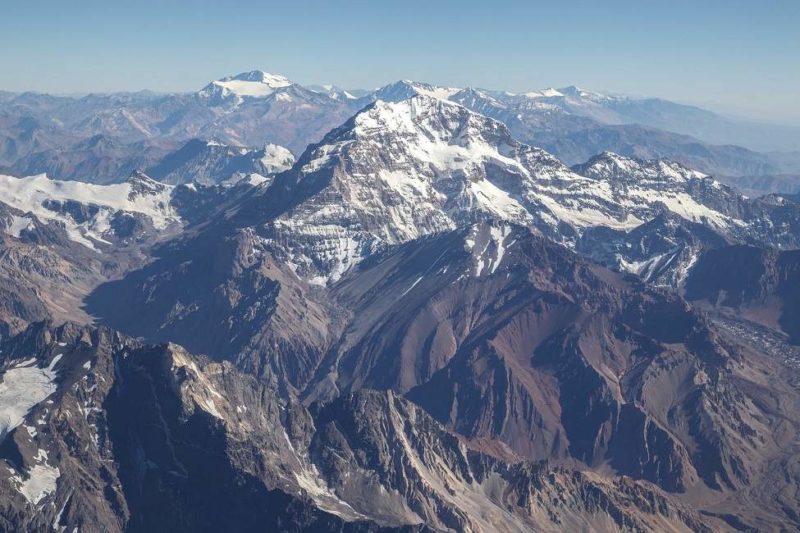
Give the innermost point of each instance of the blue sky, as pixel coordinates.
(738, 56)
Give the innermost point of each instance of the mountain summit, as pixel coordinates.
(254, 84)
(398, 171)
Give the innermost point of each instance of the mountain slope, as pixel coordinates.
(505, 320)
(398, 172)
(575, 125)
(60, 239)
(426, 165)
(525, 350)
(402, 170)
(758, 284)
(91, 213)
(42, 133)
(214, 448)
(210, 162)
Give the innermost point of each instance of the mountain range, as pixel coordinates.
(103, 138)
(327, 310)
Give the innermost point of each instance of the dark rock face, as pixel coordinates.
(527, 351)
(176, 470)
(760, 284)
(661, 251)
(140, 438)
(250, 309)
(208, 163)
(356, 429)
(124, 453)
(79, 212)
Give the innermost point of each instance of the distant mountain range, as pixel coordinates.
(103, 138)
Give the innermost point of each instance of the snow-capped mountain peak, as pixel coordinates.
(402, 170)
(578, 93)
(546, 93)
(403, 89)
(609, 165)
(334, 92)
(253, 84)
(259, 76)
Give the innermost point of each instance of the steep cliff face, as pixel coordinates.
(758, 284)
(512, 338)
(106, 434)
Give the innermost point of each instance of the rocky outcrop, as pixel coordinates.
(117, 435)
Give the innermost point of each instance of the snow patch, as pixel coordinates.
(18, 225)
(277, 158)
(24, 386)
(546, 93)
(41, 481)
(412, 286)
(30, 193)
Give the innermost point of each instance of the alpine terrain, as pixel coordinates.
(264, 306)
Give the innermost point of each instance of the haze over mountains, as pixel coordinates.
(106, 137)
(268, 307)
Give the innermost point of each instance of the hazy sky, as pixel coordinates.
(734, 55)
